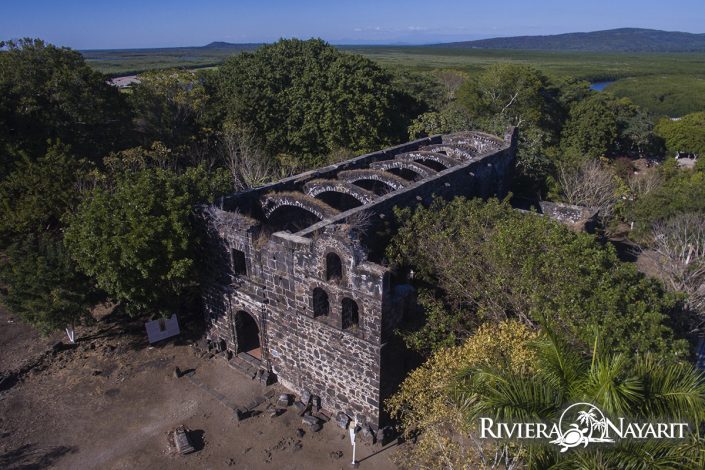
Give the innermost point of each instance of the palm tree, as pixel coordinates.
(585, 417)
(600, 425)
(644, 388)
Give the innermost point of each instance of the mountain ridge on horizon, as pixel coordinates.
(609, 40)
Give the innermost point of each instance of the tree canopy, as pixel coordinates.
(44, 287)
(512, 94)
(509, 94)
(136, 239)
(487, 262)
(591, 129)
(425, 408)
(681, 192)
(307, 98)
(49, 93)
(38, 193)
(605, 126)
(452, 118)
(684, 135)
(168, 107)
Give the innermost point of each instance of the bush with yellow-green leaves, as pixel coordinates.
(428, 415)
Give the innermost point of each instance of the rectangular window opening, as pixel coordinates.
(239, 264)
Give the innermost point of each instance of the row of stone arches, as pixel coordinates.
(323, 198)
(349, 310)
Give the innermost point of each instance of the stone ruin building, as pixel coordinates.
(297, 289)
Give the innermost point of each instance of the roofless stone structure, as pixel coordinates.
(298, 288)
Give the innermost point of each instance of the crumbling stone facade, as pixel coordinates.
(295, 284)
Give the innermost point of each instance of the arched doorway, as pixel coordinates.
(247, 335)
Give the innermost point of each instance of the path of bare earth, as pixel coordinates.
(110, 403)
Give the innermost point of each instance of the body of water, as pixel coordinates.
(599, 86)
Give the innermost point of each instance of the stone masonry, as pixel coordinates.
(296, 284)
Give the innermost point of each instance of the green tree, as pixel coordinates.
(635, 131)
(38, 193)
(518, 95)
(169, 106)
(590, 132)
(307, 98)
(570, 92)
(683, 192)
(509, 95)
(488, 262)
(452, 118)
(684, 135)
(435, 428)
(425, 91)
(43, 285)
(137, 239)
(135, 159)
(47, 93)
(450, 80)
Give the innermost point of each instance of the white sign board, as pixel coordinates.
(162, 328)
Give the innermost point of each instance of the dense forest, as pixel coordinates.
(522, 314)
(671, 96)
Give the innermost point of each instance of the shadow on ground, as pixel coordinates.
(197, 440)
(31, 457)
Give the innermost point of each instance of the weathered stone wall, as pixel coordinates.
(307, 353)
(315, 353)
(351, 366)
(579, 218)
(568, 213)
(341, 368)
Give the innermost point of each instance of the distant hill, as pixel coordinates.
(230, 45)
(613, 40)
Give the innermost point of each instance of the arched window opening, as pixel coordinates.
(334, 268)
(321, 306)
(351, 315)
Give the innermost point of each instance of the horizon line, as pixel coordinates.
(373, 43)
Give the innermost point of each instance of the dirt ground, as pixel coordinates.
(110, 403)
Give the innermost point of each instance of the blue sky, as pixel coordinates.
(98, 24)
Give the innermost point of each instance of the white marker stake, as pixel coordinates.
(352, 439)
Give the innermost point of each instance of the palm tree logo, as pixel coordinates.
(590, 425)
